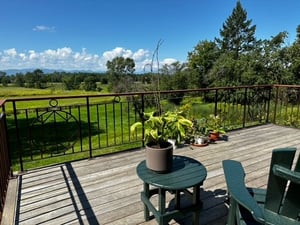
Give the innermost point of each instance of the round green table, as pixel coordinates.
(186, 173)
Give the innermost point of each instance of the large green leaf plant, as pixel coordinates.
(160, 128)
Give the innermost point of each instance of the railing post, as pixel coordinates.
(245, 107)
(143, 110)
(275, 104)
(89, 125)
(7, 142)
(5, 165)
(18, 137)
(268, 106)
(216, 103)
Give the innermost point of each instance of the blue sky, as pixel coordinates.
(84, 34)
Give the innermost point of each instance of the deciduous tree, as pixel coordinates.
(117, 70)
(201, 61)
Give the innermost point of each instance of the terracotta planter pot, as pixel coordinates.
(214, 136)
(159, 159)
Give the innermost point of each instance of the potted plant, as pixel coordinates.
(158, 130)
(201, 134)
(198, 134)
(215, 127)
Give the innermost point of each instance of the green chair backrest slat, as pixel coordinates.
(277, 185)
(291, 205)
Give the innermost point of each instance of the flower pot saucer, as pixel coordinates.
(200, 145)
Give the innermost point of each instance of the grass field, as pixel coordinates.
(52, 89)
(12, 92)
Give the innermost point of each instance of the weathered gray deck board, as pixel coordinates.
(106, 190)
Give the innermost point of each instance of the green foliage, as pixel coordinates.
(71, 82)
(120, 66)
(119, 71)
(238, 36)
(4, 80)
(294, 56)
(35, 79)
(215, 124)
(238, 58)
(160, 128)
(19, 80)
(223, 72)
(201, 61)
(200, 127)
(89, 83)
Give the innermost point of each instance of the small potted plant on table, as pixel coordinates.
(158, 130)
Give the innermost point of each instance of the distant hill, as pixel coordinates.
(23, 71)
(46, 71)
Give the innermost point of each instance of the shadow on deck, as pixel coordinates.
(106, 190)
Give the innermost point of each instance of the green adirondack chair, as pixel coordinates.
(279, 204)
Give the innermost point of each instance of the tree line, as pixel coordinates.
(235, 58)
(70, 80)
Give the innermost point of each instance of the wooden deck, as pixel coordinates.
(106, 190)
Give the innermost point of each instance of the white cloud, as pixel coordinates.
(43, 28)
(67, 59)
(169, 61)
(10, 52)
(140, 55)
(22, 56)
(117, 52)
(64, 52)
(33, 55)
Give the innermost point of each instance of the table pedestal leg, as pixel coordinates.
(196, 201)
(177, 199)
(147, 194)
(162, 205)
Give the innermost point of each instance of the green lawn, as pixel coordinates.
(55, 89)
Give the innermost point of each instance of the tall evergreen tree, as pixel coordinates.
(298, 34)
(237, 34)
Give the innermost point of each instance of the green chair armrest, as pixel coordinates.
(275, 218)
(234, 176)
(286, 173)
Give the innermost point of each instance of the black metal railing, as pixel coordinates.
(65, 128)
(44, 128)
(86, 126)
(286, 105)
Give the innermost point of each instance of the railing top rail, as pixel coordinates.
(132, 93)
(2, 102)
(287, 85)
